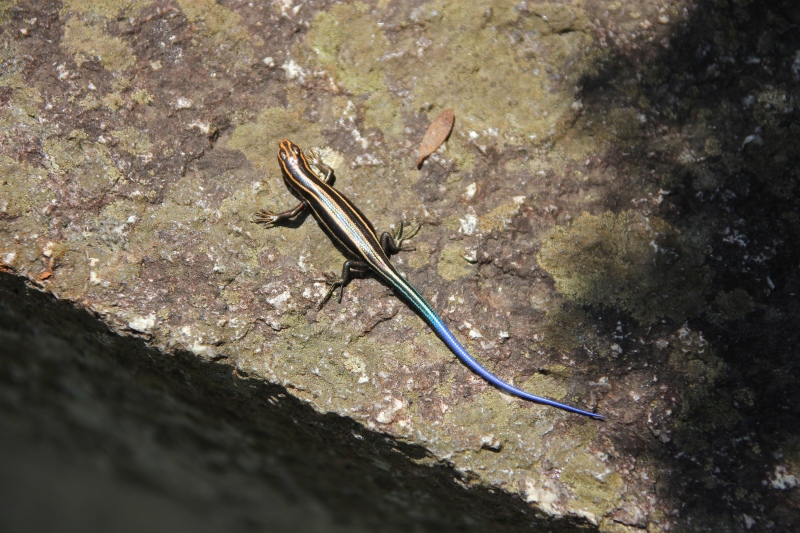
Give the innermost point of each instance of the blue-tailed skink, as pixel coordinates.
(348, 226)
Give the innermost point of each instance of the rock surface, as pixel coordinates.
(613, 222)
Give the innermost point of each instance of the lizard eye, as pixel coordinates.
(296, 150)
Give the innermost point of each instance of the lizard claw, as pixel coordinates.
(400, 236)
(333, 282)
(263, 216)
(312, 155)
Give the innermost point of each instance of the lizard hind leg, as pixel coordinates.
(333, 282)
(393, 243)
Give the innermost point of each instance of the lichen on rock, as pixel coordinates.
(640, 264)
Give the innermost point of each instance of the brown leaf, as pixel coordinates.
(437, 133)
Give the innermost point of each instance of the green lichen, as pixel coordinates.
(496, 411)
(9, 57)
(567, 327)
(421, 256)
(337, 368)
(108, 9)
(89, 102)
(587, 473)
(347, 41)
(733, 305)
(469, 49)
(176, 214)
(501, 216)
(113, 101)
(595, 485)
(452, 265)
(382, 112)
(475, 47)
(23, 105)
(88, 163)
(224, 29)
(704, 409)
(258, 139)
(21, 187)
(142, 97)
(134, 141)
(642, 265)
(120, 211)
(615, 129)
(5, 5)
(85, 41)
(548, 385)
(120, 84)
(452, 223)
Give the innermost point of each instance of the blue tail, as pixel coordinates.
(437, 324)
(447, 337)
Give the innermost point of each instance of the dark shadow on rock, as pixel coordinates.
(227, 451)
(719, 108)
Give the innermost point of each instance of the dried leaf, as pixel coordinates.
(437, 133)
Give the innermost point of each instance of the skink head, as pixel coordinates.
(291, 158)
(289, 153)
